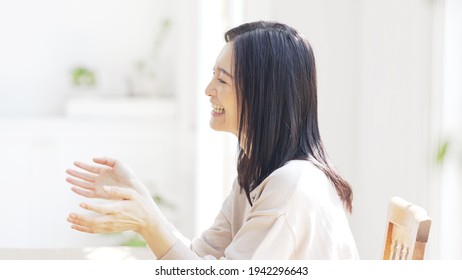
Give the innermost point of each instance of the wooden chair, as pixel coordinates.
(407, 231)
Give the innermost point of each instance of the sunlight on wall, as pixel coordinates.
(451, 191)
(214, 164)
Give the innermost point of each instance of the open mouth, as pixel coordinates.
(217, 109)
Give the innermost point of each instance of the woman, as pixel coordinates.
(287, 202)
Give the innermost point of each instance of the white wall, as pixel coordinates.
(451, 191)
(395, 149)
(43, 40)
(374, 61)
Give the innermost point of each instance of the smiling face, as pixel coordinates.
(222, 93)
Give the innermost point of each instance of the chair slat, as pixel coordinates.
(407, 232)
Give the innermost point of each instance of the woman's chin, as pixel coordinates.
(216, 127)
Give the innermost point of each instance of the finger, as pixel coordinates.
(122, 193)
(84, 176)
(80, 222)
(88, 167)
(105, 161)
(98, 208)
(83, 229)
(84, 224)
(80, 183)
(85, 193)
(90, 223)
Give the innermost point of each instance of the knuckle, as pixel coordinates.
(128, 193)
(92, 229)
(108, 227)
(131, 193)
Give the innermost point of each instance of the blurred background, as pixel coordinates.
(126, 79)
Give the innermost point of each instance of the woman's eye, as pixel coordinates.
(221, 81)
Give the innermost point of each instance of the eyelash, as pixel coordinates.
(219, 80)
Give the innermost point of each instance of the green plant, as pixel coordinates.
(441, 152)
(161, 35)
(136, 241)
(148, 66)
(83, 77)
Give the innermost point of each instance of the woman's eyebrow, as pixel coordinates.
(225, 72)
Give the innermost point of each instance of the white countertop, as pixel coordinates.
(86, 253)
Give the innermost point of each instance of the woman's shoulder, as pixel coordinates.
(297, 167)
(295, 178)
(295, 173)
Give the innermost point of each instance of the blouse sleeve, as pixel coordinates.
(265, 234)
(260, 238)
(211, 244)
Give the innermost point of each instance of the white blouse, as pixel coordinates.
(296, 214)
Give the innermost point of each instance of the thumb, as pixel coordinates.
(121, 193)
(105, 161)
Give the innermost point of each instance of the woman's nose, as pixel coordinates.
(209, 91)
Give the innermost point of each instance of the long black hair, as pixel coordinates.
(275, 78)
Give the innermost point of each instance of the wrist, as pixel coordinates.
(136, 184)
(157, 235)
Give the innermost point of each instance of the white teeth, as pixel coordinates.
(218, 109)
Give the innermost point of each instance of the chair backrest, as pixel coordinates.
(407, 231)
